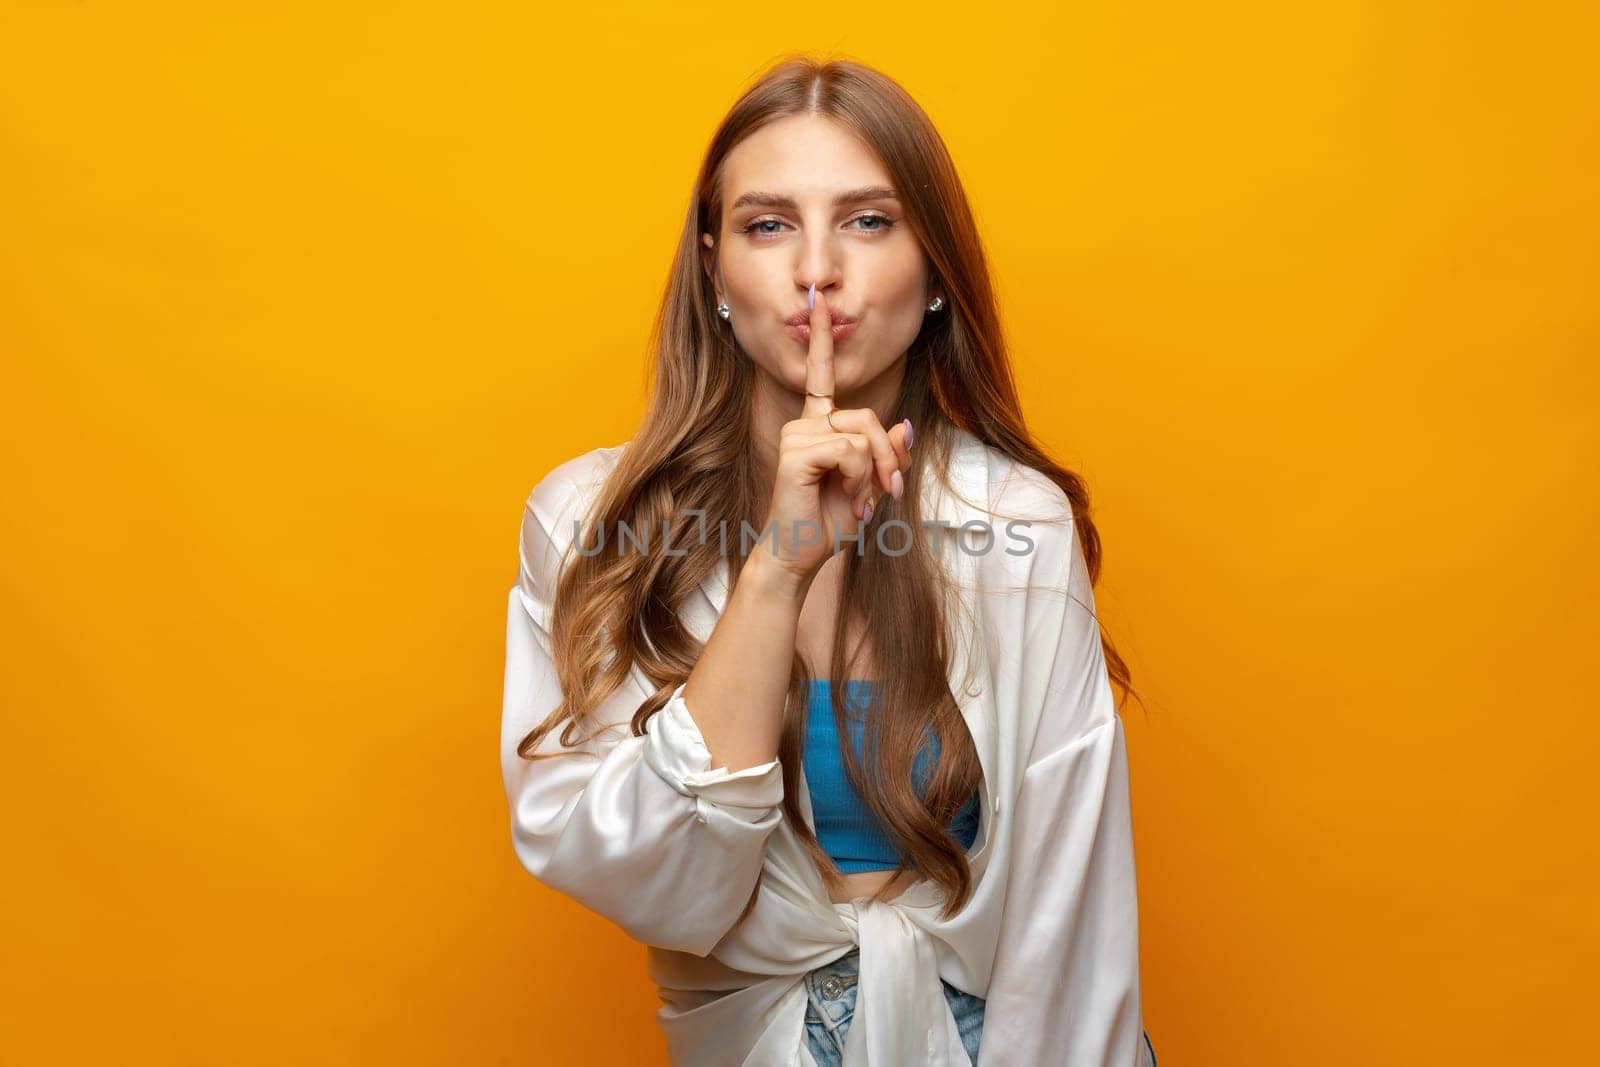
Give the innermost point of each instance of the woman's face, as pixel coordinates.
(784, 228)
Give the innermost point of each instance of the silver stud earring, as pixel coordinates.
(724, 311)
(938, 302)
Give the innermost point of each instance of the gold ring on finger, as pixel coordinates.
(829, 416)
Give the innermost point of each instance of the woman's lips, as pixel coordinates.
(802, 333)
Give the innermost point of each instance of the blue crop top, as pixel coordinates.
(846, 827)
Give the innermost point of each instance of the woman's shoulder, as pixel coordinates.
(1022, 532)
(559, 502)
(566, 490)
(999, 488)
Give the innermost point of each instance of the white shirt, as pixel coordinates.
(644, 831)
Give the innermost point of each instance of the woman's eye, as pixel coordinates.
(756, 226)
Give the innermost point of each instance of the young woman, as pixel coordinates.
(859, 784)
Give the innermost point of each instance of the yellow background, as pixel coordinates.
(297, 301)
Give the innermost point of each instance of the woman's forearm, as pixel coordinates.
(736, 691)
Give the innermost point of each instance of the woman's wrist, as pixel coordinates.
(765, 575)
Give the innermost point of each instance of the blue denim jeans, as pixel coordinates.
(831, 1005)
(831, 995)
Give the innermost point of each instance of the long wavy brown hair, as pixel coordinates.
(613, 612)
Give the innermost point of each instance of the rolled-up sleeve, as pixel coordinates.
(642, 830)
(679, 754)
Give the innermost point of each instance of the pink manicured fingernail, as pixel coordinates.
(811, 296)
(908, 435)
(866, 515)
(897, 485)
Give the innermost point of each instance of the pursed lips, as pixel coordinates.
(803, 318)
(802, 332)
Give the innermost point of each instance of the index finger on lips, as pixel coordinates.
(819, 359)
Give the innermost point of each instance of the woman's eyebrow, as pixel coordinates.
(854, 196)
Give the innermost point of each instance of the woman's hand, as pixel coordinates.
(832, 466)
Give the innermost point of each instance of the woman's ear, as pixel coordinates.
(708, 260)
